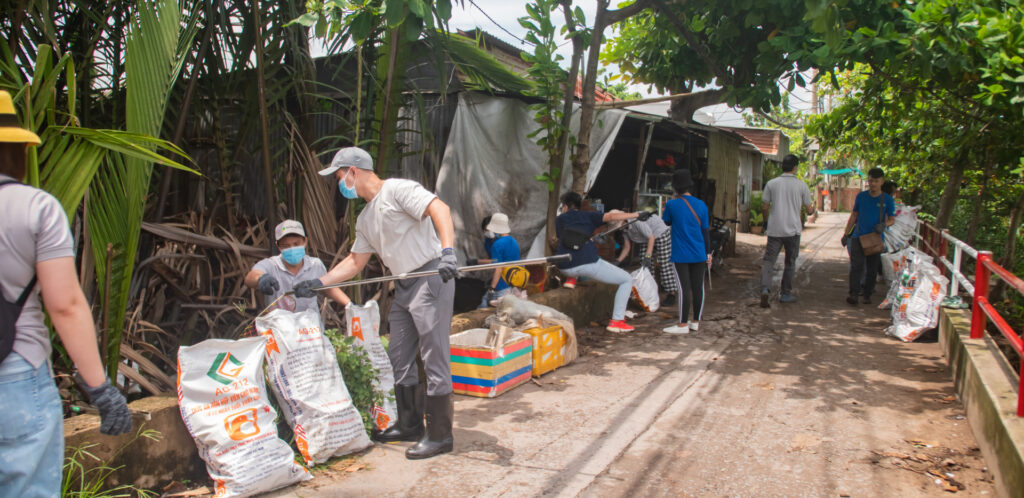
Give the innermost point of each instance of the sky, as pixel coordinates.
(499, 18)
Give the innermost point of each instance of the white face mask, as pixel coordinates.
(489, 234)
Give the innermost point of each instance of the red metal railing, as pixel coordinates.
(936, 243)
(983, 310)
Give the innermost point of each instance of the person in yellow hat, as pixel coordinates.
(36, 242)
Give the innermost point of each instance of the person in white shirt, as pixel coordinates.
(784, 197)
(410, 230)
(276, 275)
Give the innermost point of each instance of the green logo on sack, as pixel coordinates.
(225, 368)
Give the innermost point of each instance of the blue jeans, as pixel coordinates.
(603, 271)
(497, 295)
(31, 430)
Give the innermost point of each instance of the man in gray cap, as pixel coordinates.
(274, 275)
(410, 230)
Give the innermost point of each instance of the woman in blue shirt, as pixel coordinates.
(691, 249)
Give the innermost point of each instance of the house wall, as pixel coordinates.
(723, 167)
(749, 161)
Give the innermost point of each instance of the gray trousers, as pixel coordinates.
(421, 320)
(771, 253)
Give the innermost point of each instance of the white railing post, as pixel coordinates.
(954, 281)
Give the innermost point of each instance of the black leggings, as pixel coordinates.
(691, 282)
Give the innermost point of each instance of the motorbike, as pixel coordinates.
(720, 235)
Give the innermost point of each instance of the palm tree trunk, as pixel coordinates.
(268, 177)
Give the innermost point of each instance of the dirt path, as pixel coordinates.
(807, 399)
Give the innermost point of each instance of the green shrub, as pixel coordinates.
(359, 375)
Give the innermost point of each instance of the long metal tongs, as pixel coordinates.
(419, 274)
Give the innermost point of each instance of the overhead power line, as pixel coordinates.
(489, 18)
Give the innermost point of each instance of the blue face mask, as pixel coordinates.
(346, 191)
(293, 255)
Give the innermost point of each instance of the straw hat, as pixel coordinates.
(10, 128)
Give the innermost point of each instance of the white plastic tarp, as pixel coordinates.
(489, 166)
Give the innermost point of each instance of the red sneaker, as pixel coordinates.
(570, 283)
(618, 326)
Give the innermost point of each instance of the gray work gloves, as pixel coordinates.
(115, 418)
(305, 288)
(448, 268)
(490, 296)
(880, 228)
(647, 262)
(267, 285)
(643, 215)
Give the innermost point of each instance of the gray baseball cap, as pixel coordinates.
(288, 227)
(349, 157)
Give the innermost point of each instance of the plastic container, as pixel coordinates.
(548, 349)
(482, 370)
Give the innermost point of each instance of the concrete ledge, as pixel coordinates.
(146, 463)
(987, 385)
(589, 301)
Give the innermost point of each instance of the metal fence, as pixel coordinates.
(937, 243)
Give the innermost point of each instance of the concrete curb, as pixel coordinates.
(987, 387)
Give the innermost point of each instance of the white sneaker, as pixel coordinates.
(676, 329)
(694, 326)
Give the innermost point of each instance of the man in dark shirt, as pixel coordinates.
(573, 228)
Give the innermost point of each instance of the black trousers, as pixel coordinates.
(691, 288)
(863, 269)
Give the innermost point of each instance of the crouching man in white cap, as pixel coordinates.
(276, 275)
(410, 230)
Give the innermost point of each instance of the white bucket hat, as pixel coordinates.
(499, 223)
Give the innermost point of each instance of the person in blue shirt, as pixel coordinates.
(691, 250)
(873, 211)
(503, 249)
(573, 229)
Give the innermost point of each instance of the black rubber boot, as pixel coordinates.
(438, 438)
(410, 416)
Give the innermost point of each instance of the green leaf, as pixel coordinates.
(308, 19)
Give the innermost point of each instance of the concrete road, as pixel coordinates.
(805, 399)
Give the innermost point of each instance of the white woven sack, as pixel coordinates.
(224, 404)
(363, 324)
(304, 374)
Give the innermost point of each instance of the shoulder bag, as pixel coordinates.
(871, 242)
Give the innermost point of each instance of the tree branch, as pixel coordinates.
(780, 123)
(702, 50)
(614, 16)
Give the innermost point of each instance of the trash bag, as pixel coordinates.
(645, 290)
(521, 314)
(917, 308)
(363, 324)
(304, 374)
(224, 404)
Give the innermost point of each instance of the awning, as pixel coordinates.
(840, 171)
